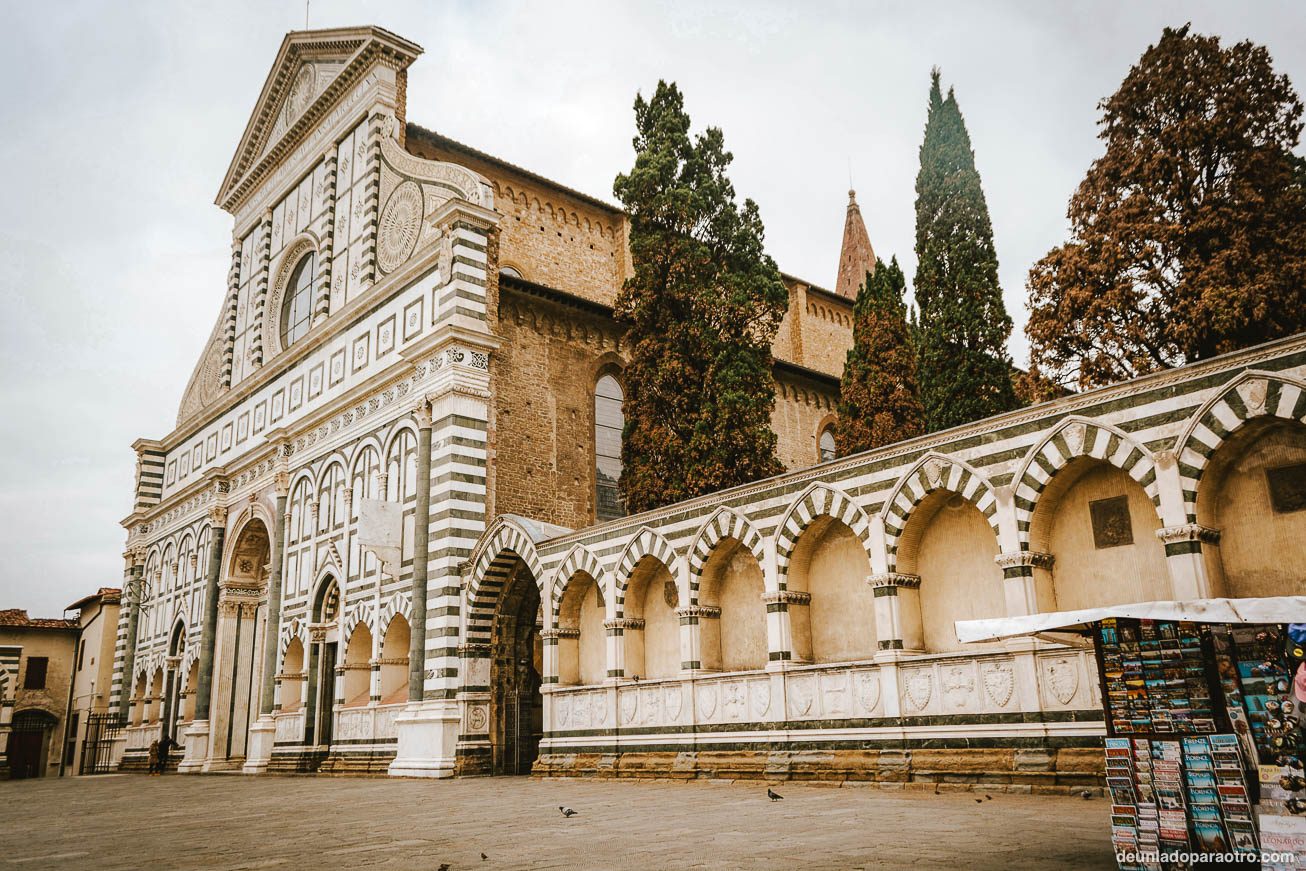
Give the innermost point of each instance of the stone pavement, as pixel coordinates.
(231, 822)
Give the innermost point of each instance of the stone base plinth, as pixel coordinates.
(197, 748)
(262, 734)
(428, 740)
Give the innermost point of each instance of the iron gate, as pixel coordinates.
(97, 747)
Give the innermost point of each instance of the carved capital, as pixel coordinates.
(281, 483)
(1188, 532)
(422, 414)
(709, 612)
(548, 634)
(1030, 558)
(787, 597)
(348, 494)
(621, 623)
(894, 580)
(138, 555)
(218, 515)
(194, 560)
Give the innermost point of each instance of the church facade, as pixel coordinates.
(384, 535)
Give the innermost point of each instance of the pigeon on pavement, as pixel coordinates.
(566, 811)
(773, 795)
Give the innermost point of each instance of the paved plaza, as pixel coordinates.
(232, 822)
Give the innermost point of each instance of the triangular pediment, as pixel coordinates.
(311, 71)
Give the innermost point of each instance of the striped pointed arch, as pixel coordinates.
(290, 630)
(400, 603)
(578, 559)
(493, 562)
(646, 543)
(725, 523)
(1070, 439)
(931, 472)
(1250, 395)
(818, 500)
(362, 612)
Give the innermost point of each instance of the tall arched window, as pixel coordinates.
(826, 444)
(608, 422)
(297, 304)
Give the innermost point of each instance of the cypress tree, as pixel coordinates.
(965, 372)
(879, 398)
(701, 311)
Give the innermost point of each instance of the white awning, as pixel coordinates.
(1276, 609)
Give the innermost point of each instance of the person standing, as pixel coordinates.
(153, 757)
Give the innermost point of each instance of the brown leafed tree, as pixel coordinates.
(1188, 235)
(879, 395)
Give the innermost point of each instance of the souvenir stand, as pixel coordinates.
(1204, 741)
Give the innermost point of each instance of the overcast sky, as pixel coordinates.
(119, 121)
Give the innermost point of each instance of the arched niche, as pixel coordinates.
(653, 651)
(1253, 492)
(582, 657)
(394, 661)
(1099, 525)
(829, 563)
(949, 544)
(732, 582)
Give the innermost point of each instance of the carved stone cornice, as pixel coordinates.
(787, 597)
(622, 623)
(706, 612)
(1030, 558)
(895, 580)
(1188, 532)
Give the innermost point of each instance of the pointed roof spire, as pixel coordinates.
(856, 257)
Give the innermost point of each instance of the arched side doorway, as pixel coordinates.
(242, 613)
(173, 680)
(324, 652)
(516, 666)
(29, 743)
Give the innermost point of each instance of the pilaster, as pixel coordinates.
(779, 628)
(1189, 578)
(1026, 582)
(897, 612)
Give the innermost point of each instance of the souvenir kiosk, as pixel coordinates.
(1204, 743)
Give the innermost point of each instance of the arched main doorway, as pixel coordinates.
(242, 614)
(29, 743)
(516, 663)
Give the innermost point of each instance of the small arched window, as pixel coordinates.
(826, 444)
(509, 271)
(297, 304)
(608, 423)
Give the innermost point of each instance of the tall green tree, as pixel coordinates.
(1188, 235)
(879, 397)
(701, 311)
(965, 372)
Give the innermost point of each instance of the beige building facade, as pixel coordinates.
(55, 676)
(384, 537)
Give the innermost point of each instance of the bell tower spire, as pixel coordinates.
(856, 257)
